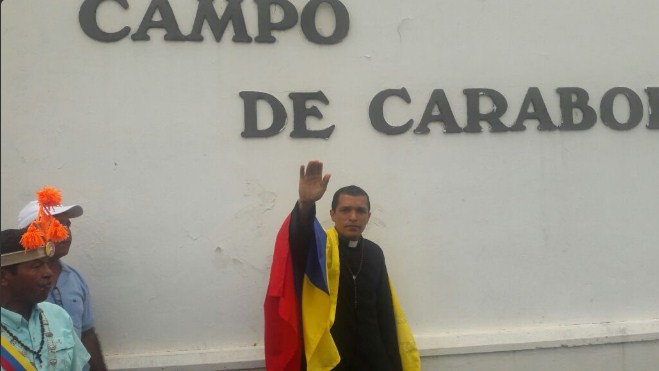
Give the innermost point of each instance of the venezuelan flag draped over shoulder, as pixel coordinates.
(284, 339)
(12, 359)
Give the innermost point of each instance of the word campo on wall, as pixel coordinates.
(160, 15)
(577, 113)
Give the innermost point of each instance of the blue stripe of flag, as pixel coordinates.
(10, 362)
(316, 268)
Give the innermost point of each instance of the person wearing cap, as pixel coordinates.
(36, 335)
(69, 290)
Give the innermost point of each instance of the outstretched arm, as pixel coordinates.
(312, 187)
(301, 233)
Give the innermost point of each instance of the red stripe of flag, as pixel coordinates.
(283, 343)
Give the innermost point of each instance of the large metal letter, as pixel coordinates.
(278, 115)
(308, 22)
(89, 23)
(376, 112)
(168, 22)
(438, 99)
(265, 19)
(533, 98)
(474, 115)
(653, 107)
(568, 105)
(635, 109)
(301, 111)
(233, 13)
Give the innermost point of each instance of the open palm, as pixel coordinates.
(313, 183)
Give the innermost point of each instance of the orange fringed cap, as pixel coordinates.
(45, 230)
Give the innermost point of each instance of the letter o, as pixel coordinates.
(635, 109)
(308, 22)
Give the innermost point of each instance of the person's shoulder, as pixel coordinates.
(59, 322)
(370, 245)
(53, 311)
(368, 242)
(73, 272)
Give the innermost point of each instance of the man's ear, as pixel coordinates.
(3, 280)
(6, 274)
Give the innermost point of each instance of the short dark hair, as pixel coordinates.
(351, 190)
(11, 242)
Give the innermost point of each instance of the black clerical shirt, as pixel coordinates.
(364, 329)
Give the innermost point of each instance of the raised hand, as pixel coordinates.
(313, 184)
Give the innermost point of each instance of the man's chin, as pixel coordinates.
(351, 235)
(42, 299)
(41, 296)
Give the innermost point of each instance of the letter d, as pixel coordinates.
(251, 98)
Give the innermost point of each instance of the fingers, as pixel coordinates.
(314, 168)
(313, 183)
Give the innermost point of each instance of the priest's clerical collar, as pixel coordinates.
(350, 243)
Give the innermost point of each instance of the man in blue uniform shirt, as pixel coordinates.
(70, 290)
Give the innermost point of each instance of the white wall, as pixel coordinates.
(483, 233)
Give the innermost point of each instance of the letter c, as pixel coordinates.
(89, 24)
(376, 112)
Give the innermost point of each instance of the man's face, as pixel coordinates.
(31, 282)
(62, 247)
(350, 216)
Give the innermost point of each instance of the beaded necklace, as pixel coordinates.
(45, 333)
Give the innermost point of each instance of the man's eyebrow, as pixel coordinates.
(353, 207)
